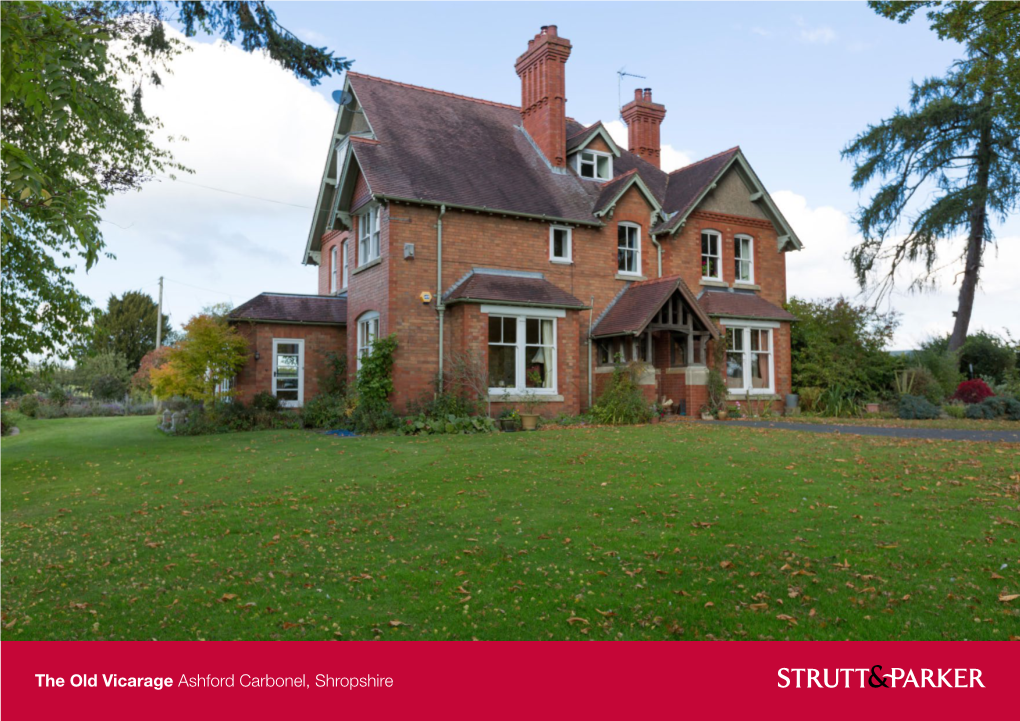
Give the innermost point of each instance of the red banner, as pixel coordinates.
(504, 680)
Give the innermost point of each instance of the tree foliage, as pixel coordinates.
(104, 375)
(836, 343)
(949, 163)
(72, 76)
(211, 352)
(128, 326)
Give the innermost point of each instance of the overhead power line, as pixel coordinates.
(234, 192)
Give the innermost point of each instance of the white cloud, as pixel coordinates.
(761, 31)
(251, 128)
(821, 270)
(820, 35)
(669, 158)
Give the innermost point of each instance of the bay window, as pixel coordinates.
(628, 249)
(522, 354)
(368, 236)
(743, 259)
(711, 266)
(749, 360)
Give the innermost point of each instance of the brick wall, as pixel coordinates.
(257, 375)
(393, 287)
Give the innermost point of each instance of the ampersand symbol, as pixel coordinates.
(876, 677)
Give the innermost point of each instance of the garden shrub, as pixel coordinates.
(108, 387)
(996, 407)
(985, 354)
(924, 383)
(840, 401)
(332, 411)
(980, 412)
(837, 342)
(374, 385)
(232, 416)
(917, 408)
(423, 425)
(265, 401)
(809, 397)
(944, 366)
(333, 380)
(7, 421)
(433, 404)
(28, 405)
(955, 410)
(973, 391)
(622, 401)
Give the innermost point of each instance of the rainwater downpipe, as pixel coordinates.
(591, 310)
(658, 248)
(440, 306)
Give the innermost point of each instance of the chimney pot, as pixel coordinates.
(637, 93)
(552, 30)
(544, 29)
(648, 94)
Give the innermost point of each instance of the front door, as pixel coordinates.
(289, 371)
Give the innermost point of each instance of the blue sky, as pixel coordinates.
(791, 83)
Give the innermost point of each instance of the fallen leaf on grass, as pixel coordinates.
(726, 564)
(789, 619)
(227, 597)
(576, 619)
(395, 623)
(1007, 597)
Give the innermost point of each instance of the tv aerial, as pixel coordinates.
(620, 75)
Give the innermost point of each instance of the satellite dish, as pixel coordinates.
(342, 98)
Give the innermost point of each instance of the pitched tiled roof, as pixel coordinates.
(444, 148)
(635, 307)
(291, 308)
(439, 147)
(726, 304)
(518, 288)
(687, 184)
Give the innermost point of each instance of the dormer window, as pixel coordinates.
(595, 165)
(368, 236)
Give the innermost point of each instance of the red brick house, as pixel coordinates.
(518, 237)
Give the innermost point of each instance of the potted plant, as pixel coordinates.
(706, 413)
(717, 393)
(529, 401)
(871, 407)
(509, 419)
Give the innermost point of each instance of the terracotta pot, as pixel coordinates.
(529, 421)
(871, 407)
(722, 415)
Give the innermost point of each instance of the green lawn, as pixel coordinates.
(113, 531)
(966, 424)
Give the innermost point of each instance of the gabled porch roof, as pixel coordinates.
(637, 305)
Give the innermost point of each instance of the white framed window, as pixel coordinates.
(343, 260)
(522, 354)
(560, 242)
(750, 365)
(368, 332)
(628, 249)
(595, 165)
(743, 258)
(368, 236)
(711, 258)
(333, 269)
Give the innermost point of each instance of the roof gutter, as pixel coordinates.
(454, 206)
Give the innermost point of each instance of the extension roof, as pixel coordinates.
(737, 304)
(292, 308)
(510, 288)
(419, 145)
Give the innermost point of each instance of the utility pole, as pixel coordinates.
(159, 316)
(159, 332)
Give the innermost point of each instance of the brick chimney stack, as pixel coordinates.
(542, 70)
(643, 118)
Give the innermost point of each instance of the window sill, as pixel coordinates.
(714, 283)
(630, 276)
(746, 286)
(561, 261)
(370, 264)
(511, 398)
(676, 371)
